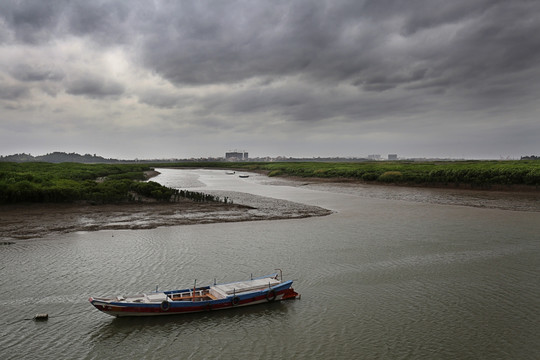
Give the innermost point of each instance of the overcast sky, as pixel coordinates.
(176, 79)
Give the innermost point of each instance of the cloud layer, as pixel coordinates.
(300, 78)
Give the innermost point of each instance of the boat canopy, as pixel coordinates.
(224, 290)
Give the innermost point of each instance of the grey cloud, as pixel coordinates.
(307, 103)
(241, 40)
(36, 21)
(382, 82)
(441, 12)
(32, 21)
(104, 21)
(503, 40)
(345, 41)
(94, 87)
(30, 73)
(206, 42)
(162, 99)
(299, 61)
(12, 92)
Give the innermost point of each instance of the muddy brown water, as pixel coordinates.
(383, 276)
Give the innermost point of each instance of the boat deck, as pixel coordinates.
(215, 292)
(223, 290)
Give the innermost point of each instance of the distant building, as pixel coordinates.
(374, 157)
(392, 156)
(236, 155)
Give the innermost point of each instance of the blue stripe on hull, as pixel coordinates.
(182, 307)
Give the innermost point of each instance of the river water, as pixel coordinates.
(388, 275)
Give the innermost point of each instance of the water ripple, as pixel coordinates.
(379, 279)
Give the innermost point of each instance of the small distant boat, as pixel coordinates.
(230, 172)
(263, 289)
(243, 176)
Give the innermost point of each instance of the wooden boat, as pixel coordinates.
(263, 289)
(243, 176)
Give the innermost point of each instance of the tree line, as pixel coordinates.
(479, 174)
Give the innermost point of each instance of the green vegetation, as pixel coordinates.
(108, 183)
(95, 183)
(479, 174)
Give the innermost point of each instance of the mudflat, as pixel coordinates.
(26, 221)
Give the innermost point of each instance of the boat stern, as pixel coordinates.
(290, 294)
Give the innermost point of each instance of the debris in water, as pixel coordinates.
(41, 317)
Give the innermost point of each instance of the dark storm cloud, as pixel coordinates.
(102, 20)
(308, 104)
(37, 21)
(497, 42)
(231, 41)
(437, 46)
(31, 21)
(327, 62)
(206, 42)
(460, 48)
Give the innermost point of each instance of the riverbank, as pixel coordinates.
(516, 199)
(27, 221)
(475, 174)
(527, 189)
